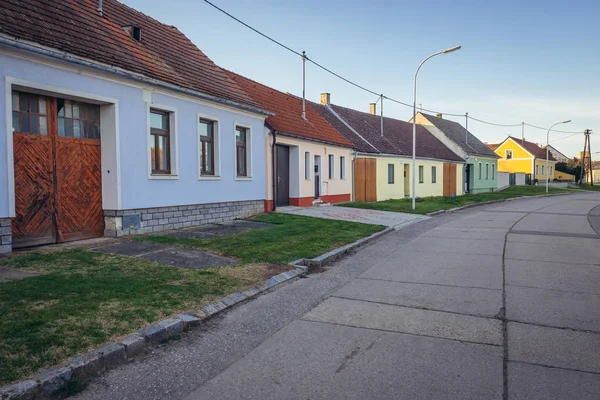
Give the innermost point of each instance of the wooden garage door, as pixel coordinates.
(449, 179)
(365, 179)
(58, 188)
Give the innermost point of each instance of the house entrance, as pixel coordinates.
(283, 176)
(58, 181)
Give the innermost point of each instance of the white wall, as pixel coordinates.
(503, 179)
(125, 144)
(520, 179)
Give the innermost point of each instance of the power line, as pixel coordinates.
(565, 137)
(369, 90)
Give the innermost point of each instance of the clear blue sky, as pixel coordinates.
(535, 61)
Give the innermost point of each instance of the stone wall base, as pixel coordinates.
(5, 236)
(146, 220)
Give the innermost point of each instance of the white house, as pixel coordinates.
(112, 123)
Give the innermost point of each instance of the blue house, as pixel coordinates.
(113, 123)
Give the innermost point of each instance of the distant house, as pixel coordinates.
(519, 155)
(558, 156)
(308, 160)
(117, 124)
(481, 165)
(383, 163)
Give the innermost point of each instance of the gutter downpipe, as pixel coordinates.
(126, 74)
(273, 171)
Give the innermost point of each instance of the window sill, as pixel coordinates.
(209, 178)
(243, 178)
(167, 177)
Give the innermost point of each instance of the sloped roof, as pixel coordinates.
(493, 147)
(456, 132)
(533, 148)
(75, 27)
(288, 113)
(397, 135)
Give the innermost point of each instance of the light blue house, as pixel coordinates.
(112, 123)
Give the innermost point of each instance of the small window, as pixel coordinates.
(331, 167)
(550, 172)
(241, 151)
(342, 167)
(537, 169)
(493, 171)
(160, 151)
(306, 165)
(421, 174)
(390, 173)
(542, 170)
(207, 147)
(433, 175)
(29, 114)
(487, 171)
(508, 154)
(479, 170)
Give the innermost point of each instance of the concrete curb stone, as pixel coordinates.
(83, 368)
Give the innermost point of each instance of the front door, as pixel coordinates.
(317, 177)
(283, 176)
(468, 178)
(58, 189)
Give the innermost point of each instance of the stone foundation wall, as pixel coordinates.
(146, 220)
(5, 236)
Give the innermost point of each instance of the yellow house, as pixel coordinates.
(519, 155)
(382, 162)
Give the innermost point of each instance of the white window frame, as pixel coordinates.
(537, 169)
(487, 171)
(493, 171)
(391, 174)
(307, 165)
(421, 174)
(173, 136)
(216, 143)
(433, 174)
(480, 171)
(248, 129)
(506, 154)
(543, 170)
(331, 166)
(342, 167)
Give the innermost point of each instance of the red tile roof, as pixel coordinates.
(288, 113)
(397, 136)
(75, 27)
(533, 148)
(493, 146)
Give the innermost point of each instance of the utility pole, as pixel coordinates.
(522, 133)
(381, 115)
(587, 157)
(304, 84)
(467, 128)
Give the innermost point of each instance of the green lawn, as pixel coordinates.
(82, 299)
(590, 187)
(292, 237)
(430, 204)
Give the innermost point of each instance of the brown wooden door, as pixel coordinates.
(449, 179)
(58, 189)
(365, 179)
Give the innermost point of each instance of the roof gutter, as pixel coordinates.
(362, 153)
(21, 45)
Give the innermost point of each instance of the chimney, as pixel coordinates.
(439, 115)
(373, 108)
(100, 11)
(325, 98)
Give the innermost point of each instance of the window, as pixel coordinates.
(493, 171)
(542, 170)
(508, 154)
(390, 173)
(29, 114)
(550, 171)
(433, 175)
(537, 169)
(421, 174)
(160, 150)
(306, 165)
(241, 154)
(479, 170)
(331, 167)
(77, 120)
(207, 147)
(487, 171)
(342, 167)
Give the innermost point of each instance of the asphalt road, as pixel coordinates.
(494, 302)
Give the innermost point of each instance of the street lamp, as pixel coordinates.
(414, 156)
(547, 144)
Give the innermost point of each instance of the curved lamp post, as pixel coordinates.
(414, 157)
(547, 175)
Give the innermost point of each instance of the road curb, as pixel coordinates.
(432, 214)
(83, 367)
(340, 252)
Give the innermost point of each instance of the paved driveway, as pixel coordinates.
(385, 218)
(496, 302)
